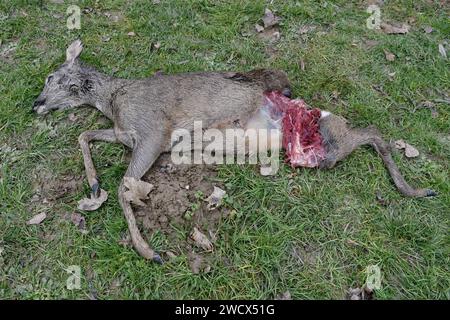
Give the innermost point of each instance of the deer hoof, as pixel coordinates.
(431, 193)
(96, 189)
(157, 259)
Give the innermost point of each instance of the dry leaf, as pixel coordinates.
(284, 296)
(215, 199)
(73, 117)
(410, 151)
(363, 293)
(391, 29)
(78, 220)
(389, 55)
(195, 263)
(137, 190)
(201, 240)
(400, 144)
(259, 28)
(269, 19)
(428, 29)
(442, 50)
(131, 34)
(37, 219)
(355, 294)
(93, 203)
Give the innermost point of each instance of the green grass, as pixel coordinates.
(296, 231)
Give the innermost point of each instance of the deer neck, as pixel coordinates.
(105, 89)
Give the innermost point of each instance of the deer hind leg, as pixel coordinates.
(84, 139)
(384, 151)
(143, 157)
(340, 141)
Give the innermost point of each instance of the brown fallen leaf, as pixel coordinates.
(37, 219)
(137, 190)
(78, 220)
(410, 151)
(269, 19)
(428, 29)
(201, 240)
(284, 296)
(271, 35)
(93, 203)
(195, 262)
(363, 293)
(392, 29)
(157, 45)
(355, 293)
(389, 55)
(73, 117)
(215, 199)
(259, 28)
(400, 144)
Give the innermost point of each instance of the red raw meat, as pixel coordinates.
(302, 140)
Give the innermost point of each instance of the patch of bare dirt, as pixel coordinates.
(305, 255)
(7, 51)
(177, 204)
(48, 187)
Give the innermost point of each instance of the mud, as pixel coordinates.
(48, 187)
(177, 204)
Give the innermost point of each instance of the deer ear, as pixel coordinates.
(74, 51)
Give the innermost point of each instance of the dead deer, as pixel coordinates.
(146, 111)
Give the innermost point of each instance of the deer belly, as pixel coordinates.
(298, 128)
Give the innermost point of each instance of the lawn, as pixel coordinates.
(307, 232)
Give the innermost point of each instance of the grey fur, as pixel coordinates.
(146, 111)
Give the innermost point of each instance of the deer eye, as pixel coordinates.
(49, 79)
(73, 88)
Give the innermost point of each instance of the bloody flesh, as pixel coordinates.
(302, 140)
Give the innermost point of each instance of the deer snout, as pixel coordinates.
(38, 103)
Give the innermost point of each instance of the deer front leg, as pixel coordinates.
(143, 157)
(107, 135)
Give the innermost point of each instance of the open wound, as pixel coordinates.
(302, 140)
